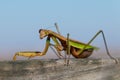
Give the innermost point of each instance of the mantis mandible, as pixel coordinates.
(76, 49)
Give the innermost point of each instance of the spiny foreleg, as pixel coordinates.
(30, 54)
(14, 58)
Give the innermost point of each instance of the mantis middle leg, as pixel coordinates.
(57, 46)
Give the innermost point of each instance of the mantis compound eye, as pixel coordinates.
(40, 30)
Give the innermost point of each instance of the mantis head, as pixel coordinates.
(43, 33)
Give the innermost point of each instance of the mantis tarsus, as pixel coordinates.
(75, 48)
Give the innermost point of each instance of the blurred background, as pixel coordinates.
(21, 20)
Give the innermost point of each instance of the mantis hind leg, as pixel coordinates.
(105, 42)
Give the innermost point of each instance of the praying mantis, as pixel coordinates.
(73, 47)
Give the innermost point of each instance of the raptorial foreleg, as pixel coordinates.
(14, 58)
(28, 54)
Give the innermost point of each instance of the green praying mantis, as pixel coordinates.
(72, 47)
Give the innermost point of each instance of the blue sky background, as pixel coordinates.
(20, 21)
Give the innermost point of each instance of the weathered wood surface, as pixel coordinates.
(79, 69)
